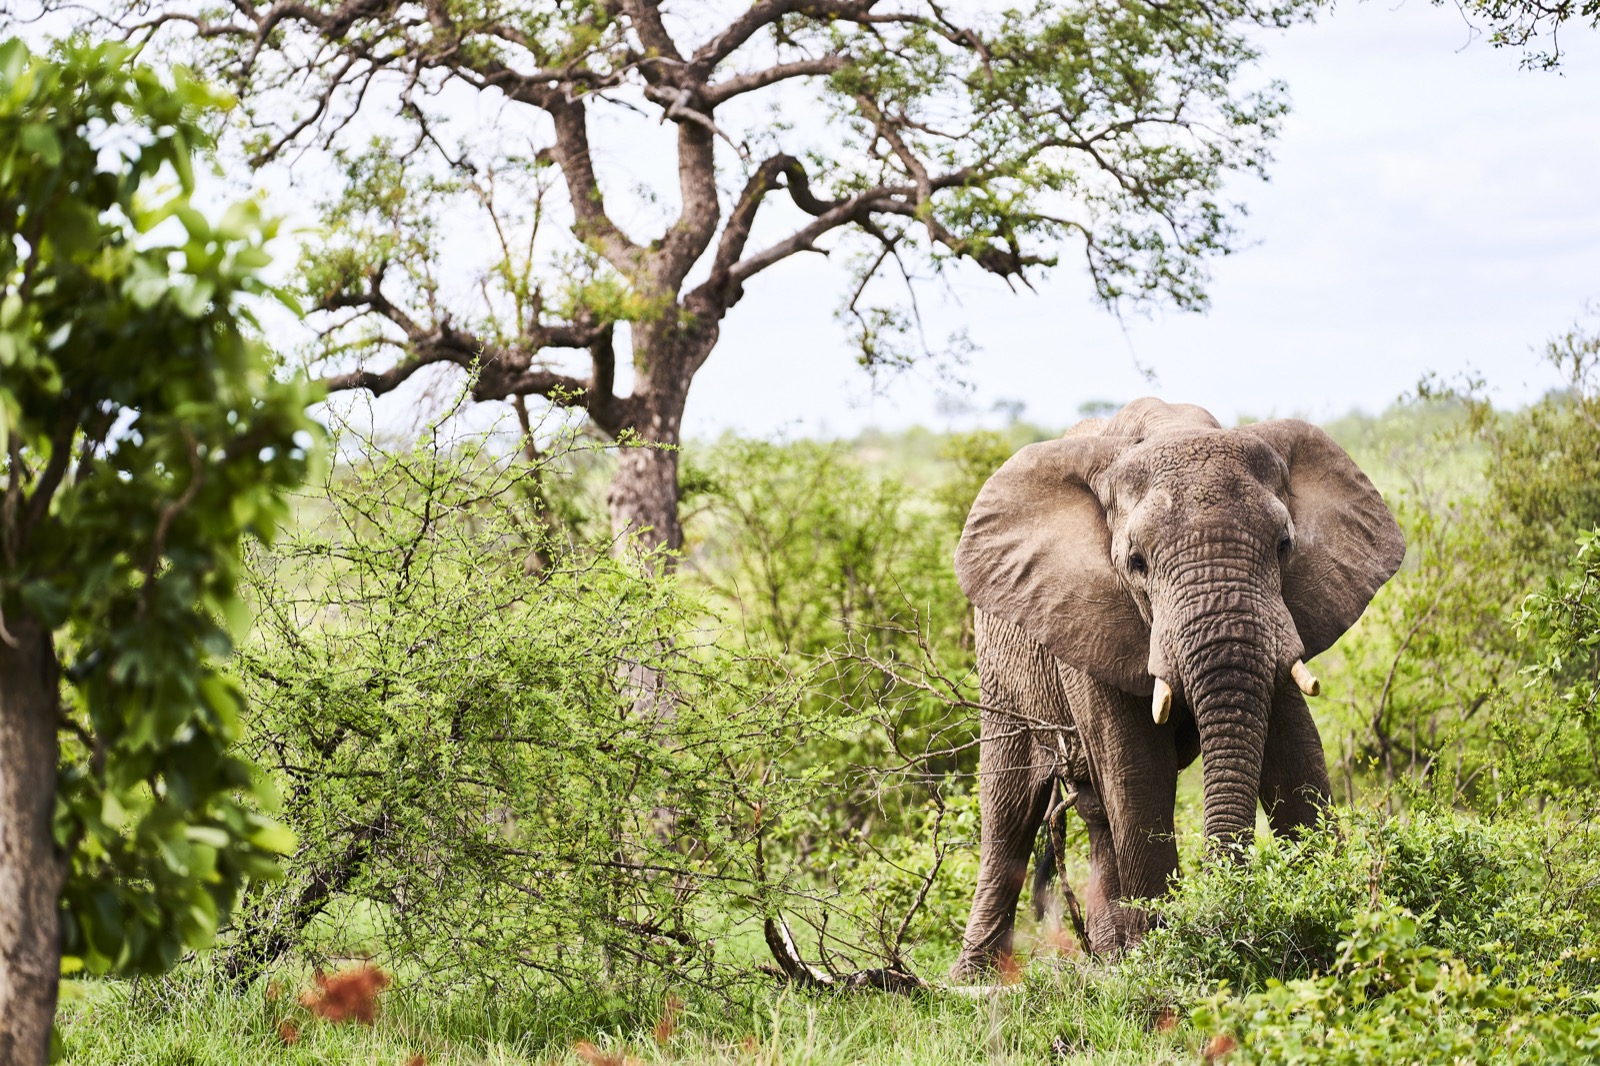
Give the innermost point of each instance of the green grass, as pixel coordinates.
(1064, 1011)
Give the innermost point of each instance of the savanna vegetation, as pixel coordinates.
(438, 684)
(412, 763)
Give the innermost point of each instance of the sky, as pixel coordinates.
(1432, 208)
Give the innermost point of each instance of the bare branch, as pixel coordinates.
(740, 84)
(594, 226)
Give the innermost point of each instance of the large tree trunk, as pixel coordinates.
(643, 496)
(31, 869)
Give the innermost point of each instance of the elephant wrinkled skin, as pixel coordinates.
(1146, 588)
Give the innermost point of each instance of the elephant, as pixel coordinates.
(1146, 590)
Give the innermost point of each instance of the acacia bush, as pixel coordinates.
(454, 734)
(446, 703)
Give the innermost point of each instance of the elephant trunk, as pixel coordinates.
(1221, 638)
(1229, 685)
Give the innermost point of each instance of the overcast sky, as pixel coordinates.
(1432, 208)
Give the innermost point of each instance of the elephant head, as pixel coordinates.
(1170, 558)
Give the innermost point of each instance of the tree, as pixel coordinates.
(1533, 26)
(142, 436)
(907, 137)
(1491, 502)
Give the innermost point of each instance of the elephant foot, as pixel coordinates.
(971, 969)
(982, 967)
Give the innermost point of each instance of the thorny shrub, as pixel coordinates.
(513, 759)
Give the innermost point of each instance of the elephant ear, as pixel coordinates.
(1036, 552)
(1347, 543)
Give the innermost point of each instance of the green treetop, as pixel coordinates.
(142, 435)
(555, 187)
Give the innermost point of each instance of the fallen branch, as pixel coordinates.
(793, 968)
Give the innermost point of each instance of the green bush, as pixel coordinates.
(1390, 998)
(1563, 623)
(1521, 893)
(485, 786)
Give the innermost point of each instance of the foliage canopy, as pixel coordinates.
(899, 138)
(144, 436)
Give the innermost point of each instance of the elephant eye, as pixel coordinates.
(1284, 544)
(1136, 563)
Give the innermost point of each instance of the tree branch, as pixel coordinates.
(765, 13)
(594, 227)
(740, 84)
(502, 372)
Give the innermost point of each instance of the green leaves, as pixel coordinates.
(458, 742)
(1393, 999)
(147, 436)
(1486, 892)
(1106, 125)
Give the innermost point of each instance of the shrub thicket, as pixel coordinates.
(447, 706)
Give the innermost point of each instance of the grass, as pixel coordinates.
(1067, 1011)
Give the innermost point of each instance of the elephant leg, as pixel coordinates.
(1134, 766)
(1294, 770)
(1015, 781)
(1103, 891)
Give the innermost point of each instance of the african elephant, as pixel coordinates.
(1146, 590)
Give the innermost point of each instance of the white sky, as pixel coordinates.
(1432, 208)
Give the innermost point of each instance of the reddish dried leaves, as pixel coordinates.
(667, 1024)
(598, 1057)
(1008, 968)
(347, 996)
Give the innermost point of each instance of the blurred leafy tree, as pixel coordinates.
(827, 559)
(1532, 26)
(1416, 682)
(1561, 748)
(845, 575)
(1432, 671)
(900, 139)
(1544, 473)
(143, 435)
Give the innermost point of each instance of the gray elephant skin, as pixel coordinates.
(1146, 590)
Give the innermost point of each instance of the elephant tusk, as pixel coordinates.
(1304, 679)
(1161, 702)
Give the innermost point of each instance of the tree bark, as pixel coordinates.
(643, 495)
(31, 867)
